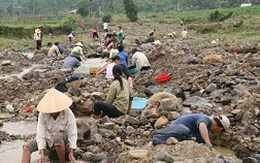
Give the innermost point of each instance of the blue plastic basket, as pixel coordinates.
(139, 103)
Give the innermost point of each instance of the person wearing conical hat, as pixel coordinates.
(38, 38)
(73, 60)
(56, 128)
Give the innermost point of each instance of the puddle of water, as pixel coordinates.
(90, 63)
(11, 152)
(19, 75)
(28, 54)
(225, 151)
(6, 116)
(20, 128)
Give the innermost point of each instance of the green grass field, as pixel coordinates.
(248, 31)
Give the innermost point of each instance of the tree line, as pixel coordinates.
(99, 8)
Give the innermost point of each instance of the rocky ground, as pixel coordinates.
(214, 79)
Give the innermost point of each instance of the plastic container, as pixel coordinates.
(138, 103)
(133, 70)
(162, 77)
(93, 71)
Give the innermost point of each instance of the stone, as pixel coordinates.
(97, 94)
(84, 108)
(84, 129)
(164, 156)
(171, 141)
(104, 120)
(131, 120)
(107, 133)
(98, 138)
(252, 130)
(99, 157)
(250, 160)
(87, 156)
(86, 94)
(9, 108)
(76, 100)
(171, 104)
(6, 62)
(210, 88)
(143, 120)
(173, 115)
(198, 102)
(138, 154)
(162, 121)
(1, 123)
(152, 113)
(129, 142)
(109, 125)
(130, 130)
(93, 149)
(236, 111)
(226, 100)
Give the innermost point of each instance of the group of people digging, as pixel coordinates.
(57, 130)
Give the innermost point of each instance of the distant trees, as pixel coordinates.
(101, 8)
(83, 7)
(131, 10)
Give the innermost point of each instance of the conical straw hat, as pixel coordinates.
(54, 101)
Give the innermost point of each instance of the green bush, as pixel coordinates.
(219, 17)
(131, 10)
(107, 17)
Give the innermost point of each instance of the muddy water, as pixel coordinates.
(19, 128)
(19, 75)
(225, 151)
(11, 152)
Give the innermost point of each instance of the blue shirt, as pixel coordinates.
(123, 58)
(71, 62)
(192, 121)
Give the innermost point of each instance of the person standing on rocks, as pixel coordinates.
(105, 25)
(199, 126)
(118, 98)
(120, 35)
(38, 38)
(124, 64)
(140, 60)
(56, 128)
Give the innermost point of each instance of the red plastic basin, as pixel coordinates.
(162, 77)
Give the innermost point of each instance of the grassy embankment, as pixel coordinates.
(228, 29)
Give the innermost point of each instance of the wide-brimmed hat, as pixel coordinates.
(54, 101)
(37, 31)
(79, 44)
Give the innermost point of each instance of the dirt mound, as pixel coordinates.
(17, 61)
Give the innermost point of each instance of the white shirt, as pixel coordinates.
(77, 50)
(47, 127)
(109, 72)
(140, 60)
(105, 25)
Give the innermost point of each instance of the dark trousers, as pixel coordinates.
(107, 109)
(38, 44)
(95, 35)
